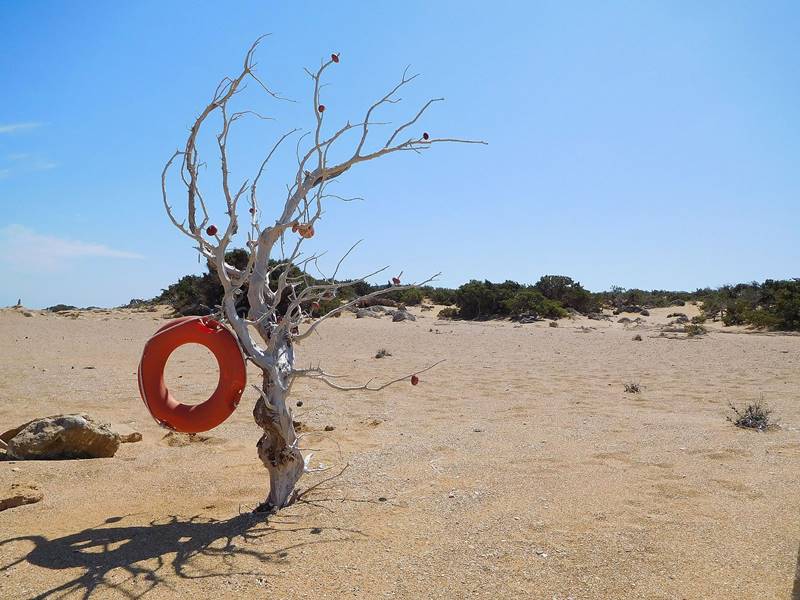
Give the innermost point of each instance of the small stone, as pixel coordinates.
(127, 435)
(402, 315)
(451, 495)
(329, 427)
(19, 494)
(382, 499)
(316, 530)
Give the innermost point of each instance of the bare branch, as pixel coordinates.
(364, 387)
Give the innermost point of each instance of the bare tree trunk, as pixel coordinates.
(280, 294)
(277, 448)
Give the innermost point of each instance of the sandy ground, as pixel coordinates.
(519, 468)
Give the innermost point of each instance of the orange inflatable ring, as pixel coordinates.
(165, 409)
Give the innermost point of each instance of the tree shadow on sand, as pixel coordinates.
(133, 560)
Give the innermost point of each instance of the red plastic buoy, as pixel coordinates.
(163, 407)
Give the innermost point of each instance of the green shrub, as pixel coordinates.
(568, 293)
(693, 329)
(531, 301)
(61, 308)
(618, 296)
(484, 299)
(448, 313)
(411, 297)
(774, 304)
(444, 296)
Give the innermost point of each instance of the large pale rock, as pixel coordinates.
(63, 437)
(19, 494)
(401, 315)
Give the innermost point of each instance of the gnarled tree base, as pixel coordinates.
(277, 449)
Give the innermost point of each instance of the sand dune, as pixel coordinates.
(518, 468)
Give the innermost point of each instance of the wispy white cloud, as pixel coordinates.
(27, 249)
(14, 127)
(20, 164)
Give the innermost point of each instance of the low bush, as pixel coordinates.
(774, 304)
(531, 302)
(61, 308)
(448, 313)
(694, 329)
(443, 296)
(411, 297)
(568, 293)
(753, 416)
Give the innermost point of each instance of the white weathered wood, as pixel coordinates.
(272, 350)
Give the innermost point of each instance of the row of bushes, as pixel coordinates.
(774, 304)
(617, 297)
(550, 297)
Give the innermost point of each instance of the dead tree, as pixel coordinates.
(278, 292)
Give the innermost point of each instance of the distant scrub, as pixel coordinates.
(774, 304)
(618, 297)
(439, 295)
(550, 297)
(568, 293)
(61, 308)
(531, 301)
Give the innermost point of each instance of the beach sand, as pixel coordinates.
(519, 468)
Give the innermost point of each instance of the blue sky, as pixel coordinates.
(641, 144)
